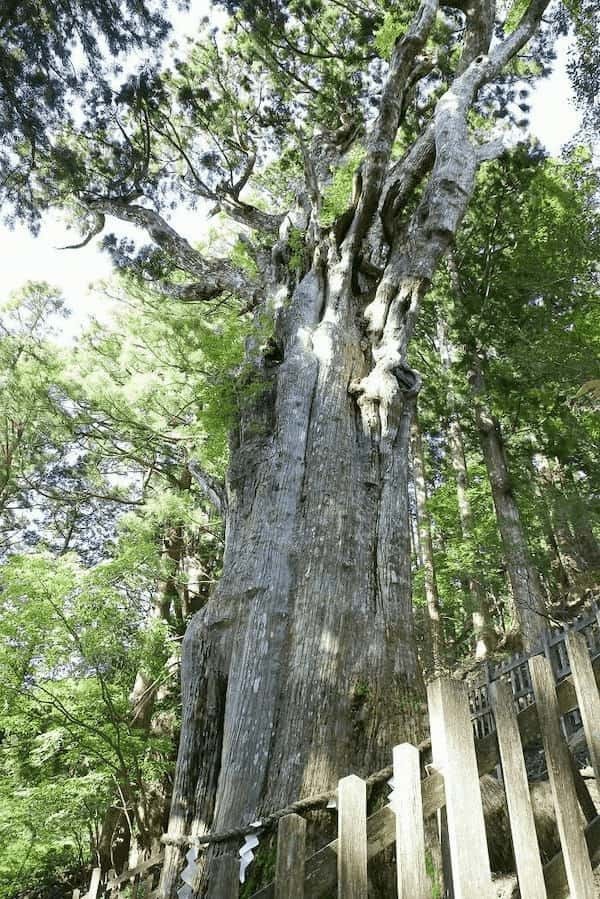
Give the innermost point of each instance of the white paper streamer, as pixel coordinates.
(188, 874)
(184, 892)
(246, 853)
(331, 804)
(394, 798)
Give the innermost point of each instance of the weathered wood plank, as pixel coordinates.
(381, 826)
(410, 837)
(291, 852)
(225, 880)
(139, 869)
(575, 853)
(75, 894)
(588, 697)
(352, 838)
(92, 892)
(453, 751)
(522, 824)
(555, 875)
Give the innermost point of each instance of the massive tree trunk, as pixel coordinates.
(302, 667)
(436, 633)
(483, 626)
(530, 615)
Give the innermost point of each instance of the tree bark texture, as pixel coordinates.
(302, 667)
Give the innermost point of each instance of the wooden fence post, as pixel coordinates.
(454, 756)
(92, 892)
(587, 696)
(113, 889)
(574, 847)
(291, 852)
(410, 838)
(522, 825)
(75, 894)
(352, 838)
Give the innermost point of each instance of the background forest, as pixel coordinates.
(114, 448)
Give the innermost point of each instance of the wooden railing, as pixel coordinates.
(515, 671)
(136, 883)
(459, 760)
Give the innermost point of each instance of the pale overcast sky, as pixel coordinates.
(554, 120)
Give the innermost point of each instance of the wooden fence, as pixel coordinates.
(458, 762)
(137, 883)
(451, 785)
(515, 671)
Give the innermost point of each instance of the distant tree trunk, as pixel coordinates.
(528, 598)
(436, 634)
(563, 576)
(587, 542)
(558, 504)
(483, 626)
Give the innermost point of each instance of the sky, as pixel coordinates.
(553, 120)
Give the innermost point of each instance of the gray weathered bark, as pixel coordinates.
(302, 667)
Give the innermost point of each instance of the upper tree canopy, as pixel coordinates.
(265, 111)
(51, 54)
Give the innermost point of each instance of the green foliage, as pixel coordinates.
(395, 24)
(50, 54)
(337, 196)
(76, 632)
(434, 875)
(296, 247)
(71, 641)
(514, 15)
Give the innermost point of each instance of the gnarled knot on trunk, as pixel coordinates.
(409, 380)
(376, 386)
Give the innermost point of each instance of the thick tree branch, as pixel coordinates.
(525, 30)
(404, 176)
(212, 489)
(492, 149)
(383, 134)
(480, 27)
(248, 215)
(214, 276)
